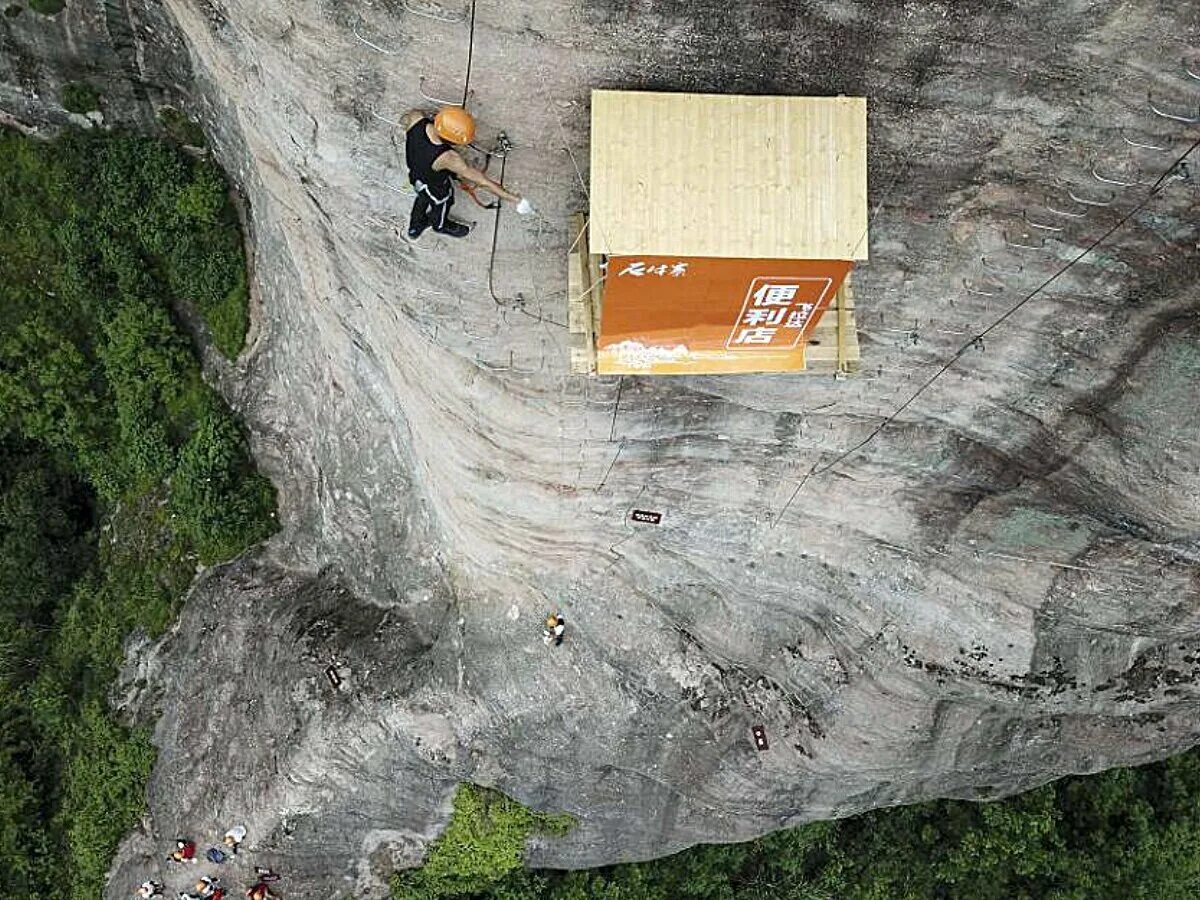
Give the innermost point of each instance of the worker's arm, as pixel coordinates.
(454, 163)
(411, 118)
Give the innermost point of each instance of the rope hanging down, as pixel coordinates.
(470, 57)
(502, 151)
(1155, 189)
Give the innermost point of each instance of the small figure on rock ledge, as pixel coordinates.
(260, 891)
(149, 890)
(234, 838)
(553, 632)
(184, 852)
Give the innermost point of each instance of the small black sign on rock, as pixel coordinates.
(335, 679)
(644, 515)
(760, 737)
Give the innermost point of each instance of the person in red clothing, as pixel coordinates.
(260, 892)
(184, 852)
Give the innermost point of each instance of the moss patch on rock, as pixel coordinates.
(181, 128)
(80, 97)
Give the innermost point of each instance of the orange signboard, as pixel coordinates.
(689, 315)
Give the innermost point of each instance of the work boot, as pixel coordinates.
(454, 229)
(416, 231)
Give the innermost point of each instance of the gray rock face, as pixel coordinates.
(129, 50)
(999, 588)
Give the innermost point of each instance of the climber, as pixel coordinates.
(184, 852)
(234, 837)
(260, 891)
(555, 626)
(149, 890)
(206, 886)
(434, 163)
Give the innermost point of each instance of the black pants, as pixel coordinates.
(426, 212)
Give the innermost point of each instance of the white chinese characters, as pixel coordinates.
(777, 311)
(639, 269)
(775, 294)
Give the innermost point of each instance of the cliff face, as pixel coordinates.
(130, 51)
(999, 589)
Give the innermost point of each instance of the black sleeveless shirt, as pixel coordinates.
(420, 153)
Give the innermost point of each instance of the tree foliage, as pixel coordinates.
(120, 469)
(484, 841)
(80, 97)
(1131, 833)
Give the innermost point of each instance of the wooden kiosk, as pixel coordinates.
(721, 230)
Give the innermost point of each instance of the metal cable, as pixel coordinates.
(514, 303)
(470, 57)
(878, 429)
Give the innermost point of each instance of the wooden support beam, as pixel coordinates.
(580, 321)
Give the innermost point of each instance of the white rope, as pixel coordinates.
(372, 44)
(429, 13)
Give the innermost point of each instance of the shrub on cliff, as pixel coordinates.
(484, 841)
(221, 504)
(80, 97)
(180, 128)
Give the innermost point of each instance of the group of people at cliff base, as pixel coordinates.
(209, 887)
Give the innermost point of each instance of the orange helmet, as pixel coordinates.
(454, 124)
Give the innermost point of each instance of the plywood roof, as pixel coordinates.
(729, 175)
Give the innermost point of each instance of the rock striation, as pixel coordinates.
(1000, 587)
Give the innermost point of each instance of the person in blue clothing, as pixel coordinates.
(434, 164)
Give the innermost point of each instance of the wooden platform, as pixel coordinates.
(585, 291)
(832, 347)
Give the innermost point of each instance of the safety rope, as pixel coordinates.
(516, 302)
(495, 242)
(470, 58)
(502, 152)
(975, 341)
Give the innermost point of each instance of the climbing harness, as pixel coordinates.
(501, 149)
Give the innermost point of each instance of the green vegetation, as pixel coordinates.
(80, 97)
(1129, 833)
(120, 470)
(47, 7)
(484, 841)
(180, 128)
